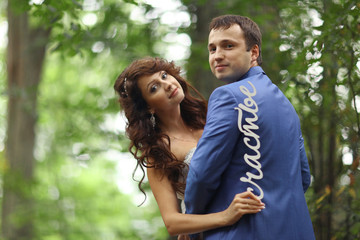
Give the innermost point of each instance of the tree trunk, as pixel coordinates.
(25, 55)
(198, 69)
(327, 169)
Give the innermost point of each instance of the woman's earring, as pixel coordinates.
(152, 120)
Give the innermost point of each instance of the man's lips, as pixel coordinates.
(219, 67)
(173, 93)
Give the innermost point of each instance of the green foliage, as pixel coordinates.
(81, 201)
(75, 194)
(322, 82)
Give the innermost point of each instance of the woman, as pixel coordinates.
(165, 122)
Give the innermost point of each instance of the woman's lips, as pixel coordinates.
(173, 93)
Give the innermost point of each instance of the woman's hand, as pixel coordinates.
(187, 237)
(183, 237)
(243, 203)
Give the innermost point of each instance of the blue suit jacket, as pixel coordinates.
(252, 141)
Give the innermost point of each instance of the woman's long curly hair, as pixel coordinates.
(148, 141)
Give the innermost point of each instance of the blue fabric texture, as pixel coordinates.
(252, 141)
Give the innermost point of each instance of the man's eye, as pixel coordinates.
(229, 46)
(212, 49)
(164, 75)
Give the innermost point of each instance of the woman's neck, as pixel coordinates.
(175, 126)
(172, 122)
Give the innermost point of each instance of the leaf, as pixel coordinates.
(352, 193)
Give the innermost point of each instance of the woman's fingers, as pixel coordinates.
(250, 195)
(183, 237)
(248, 201)
(243, 203)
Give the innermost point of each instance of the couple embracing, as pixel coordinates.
(237, 163)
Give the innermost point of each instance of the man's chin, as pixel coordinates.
(226, 79)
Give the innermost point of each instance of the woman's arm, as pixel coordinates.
(178, 223)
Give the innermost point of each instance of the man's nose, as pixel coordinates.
(219, 54)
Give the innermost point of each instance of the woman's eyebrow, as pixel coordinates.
(153, 80)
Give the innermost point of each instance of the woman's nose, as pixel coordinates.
(167, 85)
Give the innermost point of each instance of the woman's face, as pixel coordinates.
(161, 91)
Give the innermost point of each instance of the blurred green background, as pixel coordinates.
(65, 172)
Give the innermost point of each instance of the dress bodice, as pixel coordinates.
(189, 156)
(187, 162)
(185, 172)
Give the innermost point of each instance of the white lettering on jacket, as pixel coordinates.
(247, 128)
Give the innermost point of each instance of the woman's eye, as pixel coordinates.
(229, 46)
(164, 75)
(212, 49)
(153, 88)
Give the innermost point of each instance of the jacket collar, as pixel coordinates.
(252, 71)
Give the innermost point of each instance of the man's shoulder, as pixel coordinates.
(228, 93)
(222, 90)
(233, 87)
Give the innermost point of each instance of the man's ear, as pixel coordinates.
(254, 53)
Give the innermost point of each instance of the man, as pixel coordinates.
(252, 141)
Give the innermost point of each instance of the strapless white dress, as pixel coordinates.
(185, 173)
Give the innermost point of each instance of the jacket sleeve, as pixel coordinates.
(213, 153)
(305, 170)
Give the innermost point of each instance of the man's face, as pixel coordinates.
(228, 57)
